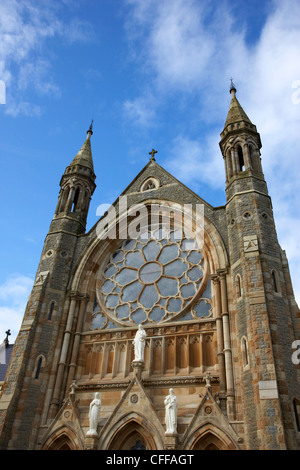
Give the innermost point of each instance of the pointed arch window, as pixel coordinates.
(39, 363)
(241, 159)
(238, 286)
(51, 310)
(75, 202)
(275, 281)
(244, 350)
(150, 184)
(296, 408)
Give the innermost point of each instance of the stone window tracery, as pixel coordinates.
(153, 279)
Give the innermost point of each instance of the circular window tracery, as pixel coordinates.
(153, 278)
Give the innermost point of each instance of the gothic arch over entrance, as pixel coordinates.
(132, 436)
(63, 440)
(210, 437)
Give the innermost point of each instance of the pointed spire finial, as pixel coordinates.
(91, 127)
(232, 86)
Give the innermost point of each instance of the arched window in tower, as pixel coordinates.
(296, 408)
(275, 281)
(250, 153)
(51, 309)
(37, 370)
(238, 286)
(228, 161)
(244, 349)
(63, 199)
(75, 202)
(241, 159)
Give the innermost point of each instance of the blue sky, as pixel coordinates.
(151, 73)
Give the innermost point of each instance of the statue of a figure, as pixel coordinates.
(139, 344)
(171, 412)
(73, 387)
(94, 412)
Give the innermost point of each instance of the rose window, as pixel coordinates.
(152, 279)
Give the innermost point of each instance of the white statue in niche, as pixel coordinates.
(171, 412)
(139, 344)
(94, 412)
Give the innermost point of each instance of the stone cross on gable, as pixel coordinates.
(152, 153)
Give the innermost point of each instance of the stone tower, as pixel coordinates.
(265, 308)
(214, 300)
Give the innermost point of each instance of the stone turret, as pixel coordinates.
(77, 186)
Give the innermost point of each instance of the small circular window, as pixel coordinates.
(152, 278)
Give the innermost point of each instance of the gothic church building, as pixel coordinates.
(214, 298)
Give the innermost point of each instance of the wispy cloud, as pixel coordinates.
(25, 27)
(14, 293)
(141, 110)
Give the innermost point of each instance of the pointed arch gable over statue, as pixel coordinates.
(126, 421)
(209, 427)
(65, 431)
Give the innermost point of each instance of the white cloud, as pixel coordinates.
(25, 26)
(14, 293)
(141, 110)
(188, 158)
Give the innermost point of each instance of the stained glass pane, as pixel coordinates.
(151, 251)
(168, 253)
(138, 316)
(110, 271)
(195, 274)
(129, 245)
(194, 257)
(149, 296)
(118, 256)
(108, 287)
(98, 321)
(187, 244)
(176, 268)
(167, 286)
(188, 290)
(126, 275)
(157, 314)
(131, 291)
(202, 309)
(174, 305)
(135, 259)
(123, 311)
(150, 273)
(112, 300)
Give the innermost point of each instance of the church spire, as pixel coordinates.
(236, 114)
(84, 156)
(77, 186)
(240, 142)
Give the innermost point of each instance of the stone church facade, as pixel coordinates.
(214, 297)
